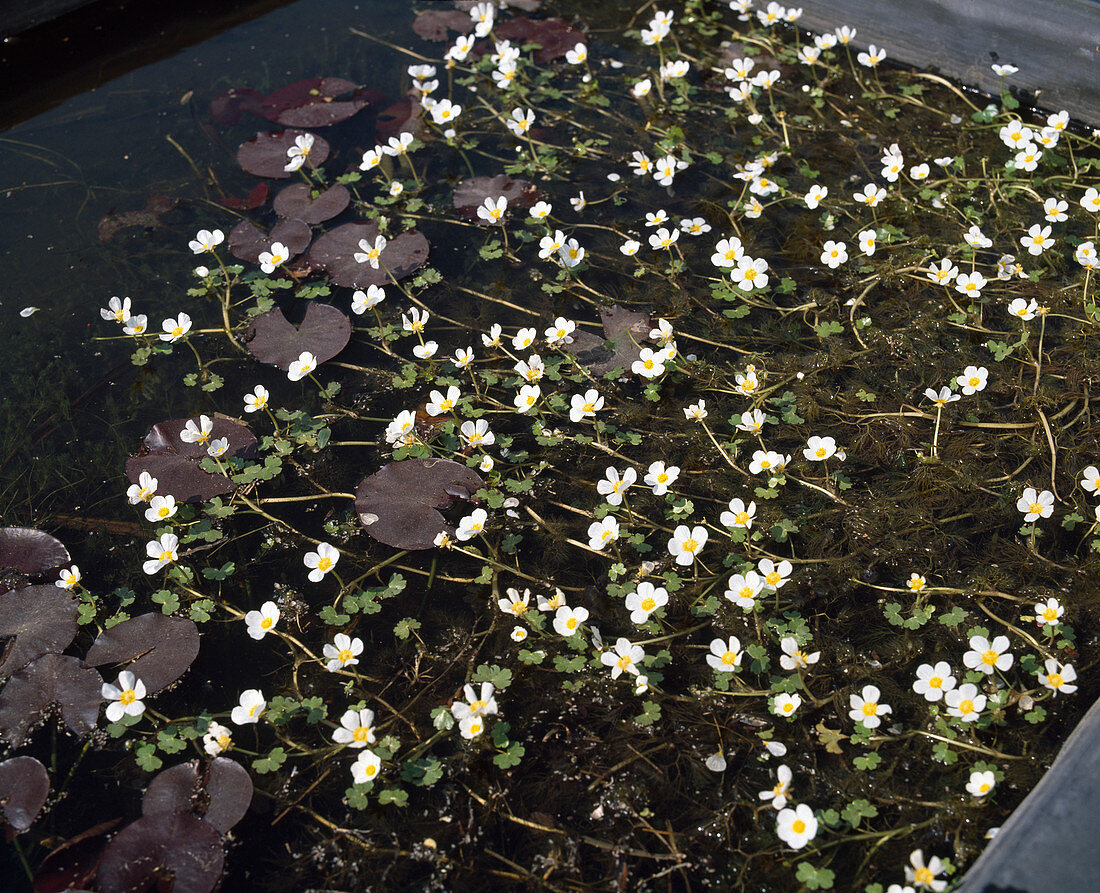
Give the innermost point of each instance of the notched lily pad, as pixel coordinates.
(41, 620)
(167, 844)
(220, 795)
(30, 552)
(156, 648)
(265, 156)
(335, 251)
(24, 786)
(433, 24)
(52, 679)
(296, 202)
(272, 338)
(400, 504)
(317, 102)
(471, 194)
(247, 241)
(624, 329)
(175, 463)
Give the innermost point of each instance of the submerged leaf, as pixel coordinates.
(247, 241)
(296, 202)
(265, 156)
(433, 24)
(335, 251)
(24, 786)
(255, 198)
(42, 620)
(71, 865)
(220, 796)
(315, 102)
(554, 36)
(156, 648)
(471, 194)
(272, 338)
(226, 108)
(405, 498)
(624, 329)
(172, 844)
(404, 115)
(52, 679)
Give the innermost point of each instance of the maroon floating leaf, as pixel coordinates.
(471, 194)
(316, 102)
(434, 24)
(272, 338)
(226, 108)
(175, 463)
(220, 796)
(156, 648)
(42, 620)
(297, 202)
(167, 844)
(624, 329)
(555, 37)
(24, 786)
(52, 679)
(405, 115)
(253, 200)
(30, 552)
(72, 864)
(265, 156)
(335, 251)
(248, 242)
(400, 504)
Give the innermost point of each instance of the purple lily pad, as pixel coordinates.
(433, 24)
(400, 504)
(71, 865)
(24, 786)
(52, 679)
(272, 338)
(172, 844)
(42, 620)
(471, 194)
(265, 156)
(255, 198)
(175, 463)
(296, 202)
(316, 102)
(335, 251)
(30, 552)
(220, 796)
(156, 648)
(555, 37)
(405, 115)
(247, 241)
(625, 330)
(226, 108)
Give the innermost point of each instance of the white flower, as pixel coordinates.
(1090, 201)
(744, 588)
(866, 708)
(624, 658)
(205, 240)
(793, 657)
(1037, 239)
(116, 309)
(161, 553)
(818, 449)
(694, 226)
(492, 211)
(663, 238)
(425, 351)
(973, 379)
(275, 256)
(578, 55)
(614, 487)
(571, 253)
(1024, 309)
(775, 575)
(660, 477)
(975, 238)
(514, 603)
(778, 794)
(768, 461)
(739, 515)
(527, 397)
(356, 729)
(644, 601)
(444, 111)
(686, 543)
(925, 875)
(568, 620)
(666, 168)
(174, 329)
(815, 195)
(250, 707)
(1055, 210)
(263, 621)
(600, 533)
(144, 489)
(933, 682)
(696, 411)
(870, 196)
(302, 366)
(1035, 505)
(750, 273)
(257, 399)
(641, 88)
(1049, 613)
(471, 525)
(867, 241)
(541, 210)
(797, 827)
(343, 652)
(161, 508)
(561, 332)
(987, 656)
(217, 739)
(366, 767)
(477, 433)
(945, 273)
(125, 697)
(585, 406)
(321, 562)
(725, 655)
(981, 783)
(1058, 677)
(786, 704)
(199, 433)
(69, 579)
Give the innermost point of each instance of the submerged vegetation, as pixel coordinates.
(660, 461)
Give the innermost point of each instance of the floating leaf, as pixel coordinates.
(220, 796)
(24, 786)
(253, 200)
(435, 23)
(42, 620)
(175, 464)
(555, 36)
(296, 202)
(52, 679)
(168, 844)
(156, 648)
(625, 328)
(405, 498)
(272, 338)
(29, 552)
(525, 5)
(247, 241)
(315, 102)
(72, 864)
(335, 251)
(265, 156)
(471, 194)
(226, 108)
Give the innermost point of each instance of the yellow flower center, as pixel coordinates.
(1035, 508)
(973, 381)
(324, 564)
(923, 876)
(166, 555)
(177, 331)
(625, 662)
(605, 535)
(571, 623)
(773, 578)
(127, 697)
(224, 741)
(163, 512)
(765, 463)
(779, 789)
(746, 592)
(966, 706)
(1050, 615)
(588, 407)
(252, 709)
(267, 623)
(518, 608)
(729, 658)
(798, 826)
(989, 658)
(361, 734)
(787, 707)
(750, 274)
(820, 452)
(1054, 680)
(741, 519)
(690, 545)
(935, 682)
(345, 655)
(984, 788)
(647, 364)
(370, 770)
(870, 708)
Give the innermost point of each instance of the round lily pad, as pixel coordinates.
(247, 241)
(265, 156)
(296, 202)
(156, 648)
(272, 338)
(220, 794)
(400, 504)
(469, 195)
(52, 679)
(175, 463)
(24, 786)
(172, 844)
(41, 620)
(335, 251)
(30, 551)
(317, 102)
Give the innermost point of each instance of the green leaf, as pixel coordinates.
(271, 762)
(510, 757)
(816, 878)
(501, 677)
(146, 757)
(857, 810)
(405, 627)
(868, 762)
(825, 329)
(396, 796)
